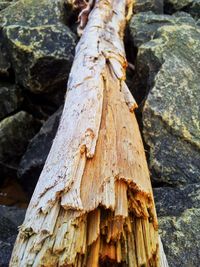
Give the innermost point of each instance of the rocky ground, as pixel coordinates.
(37, 41)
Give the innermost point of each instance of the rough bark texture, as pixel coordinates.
(93, 204)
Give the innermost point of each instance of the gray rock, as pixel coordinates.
(33, 13)
(173, 201)
(33, 160)
(148, 5)
(10, 99)
(190, 6)
(143, 26)
(10, 219)
(179, 220)
(167, 85)
(15, 134)
(4, 4)
(168, 72)
(38, 44)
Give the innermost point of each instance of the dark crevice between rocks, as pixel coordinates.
(37, 151)
(42, 106)
(8, 77)
(189, 8)
(22, 129)
(131, 51)
(170, 10)
(70, 17)
(158, 184)
(139, 84)
(144, 79)
(131, 55)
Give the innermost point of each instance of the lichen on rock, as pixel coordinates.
(179, 217)
(169, 79)
(166, 84)
(38, 44)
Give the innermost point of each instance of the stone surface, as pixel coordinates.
(168, 73)
(15, 134)
(190, 6)
(39, 45)
(148, 5)
(166, 85)
(144, 26)
(10, 99)
(4, 4)
(179, 219)
(10, 219)
(33, 160)
(32, 13)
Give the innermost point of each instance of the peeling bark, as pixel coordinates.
(93, 204)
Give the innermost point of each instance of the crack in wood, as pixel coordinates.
(93, 204)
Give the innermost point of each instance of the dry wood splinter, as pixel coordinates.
(93, 205)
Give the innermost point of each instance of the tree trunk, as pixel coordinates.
(93, 204)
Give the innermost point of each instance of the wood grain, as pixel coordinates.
(93, 204)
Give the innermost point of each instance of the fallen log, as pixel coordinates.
(93, 204)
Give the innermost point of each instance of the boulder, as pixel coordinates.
(15, 134)
(144, 26)
(10, 219)
(33, 13)
(148, 5)
(171, 112)
(33, 160)
(166, 84)
(168, 72)
(10, 99)
(190, 6)
(40, 46)
(179, 218)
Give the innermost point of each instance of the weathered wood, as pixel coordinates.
(93, 204)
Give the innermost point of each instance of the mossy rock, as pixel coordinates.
(168, 76)
(32, 13)
(41, 56)
(39, 45)
(179, 218)
(143, 26)
(171, 113)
